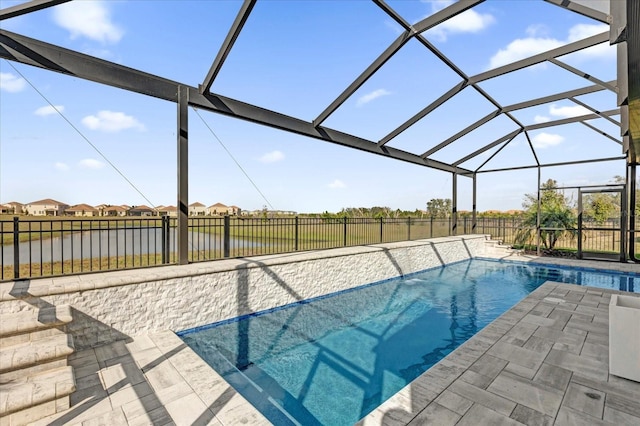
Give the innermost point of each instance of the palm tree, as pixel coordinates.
(557, 218)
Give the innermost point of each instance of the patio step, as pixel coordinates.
(35, 379)
(34, 320)
(34, 356)
(36, 396)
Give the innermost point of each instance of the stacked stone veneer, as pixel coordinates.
(112, 306)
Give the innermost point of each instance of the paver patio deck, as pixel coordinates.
(543, 362)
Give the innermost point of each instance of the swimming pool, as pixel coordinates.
(333, 359)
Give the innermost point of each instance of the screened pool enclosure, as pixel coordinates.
(604, 106)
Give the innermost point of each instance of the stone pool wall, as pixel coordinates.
(111, 306)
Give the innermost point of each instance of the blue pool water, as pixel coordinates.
(333, 359)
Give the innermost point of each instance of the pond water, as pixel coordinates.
(106, 243)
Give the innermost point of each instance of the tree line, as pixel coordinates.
(558, 212)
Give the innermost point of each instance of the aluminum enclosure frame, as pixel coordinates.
(625, 31)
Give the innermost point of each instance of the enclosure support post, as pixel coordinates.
(631, 187)
(344, 231)
(164, 236)
(473, 208)
(538, 213)
(454, 205)
(226, 238)
(16, 248)
(579, 223)
(623, 223)
(182, 233)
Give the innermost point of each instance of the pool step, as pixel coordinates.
(496, 248)
(35, 379)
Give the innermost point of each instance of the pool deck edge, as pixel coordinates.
(544, 361)
(154, 379)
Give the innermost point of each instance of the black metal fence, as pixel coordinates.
(34, 247)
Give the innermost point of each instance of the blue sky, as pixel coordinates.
(295, 57)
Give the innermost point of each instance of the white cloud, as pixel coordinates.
(110, 121)
(365, 99)
(536, 43)
(49, 110)
(91, 19)
(545, 140)
(61, 166)
(568, 111)
(581, 31)
(90, 163)
(271, 157)
(522, 48)
(468, 21)
(541, 119)
(11, 83)
(600, 51)
(337, 183)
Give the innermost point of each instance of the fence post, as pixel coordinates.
(16, 248)
(344, 233)
(165, 240)
(296, 231)
(409, 228)
(225, 236)
(464, 224)
(381, 230)
(431, 228)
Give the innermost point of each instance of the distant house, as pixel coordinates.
(83, 210)
(234, 210)
(217, 208)
(170, 211)
(114, 211)
(18, 208)
(46, 207)
(197, 209)
(12, 207)
(141, 211)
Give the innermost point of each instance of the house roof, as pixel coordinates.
(167, 209)
(14, 203)
(82, 207)
(218, 205)
(141, 207)
(196, 204)
(115, 208)
(47, 201)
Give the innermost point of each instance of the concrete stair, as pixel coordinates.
(35, 379)
(496, 248)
